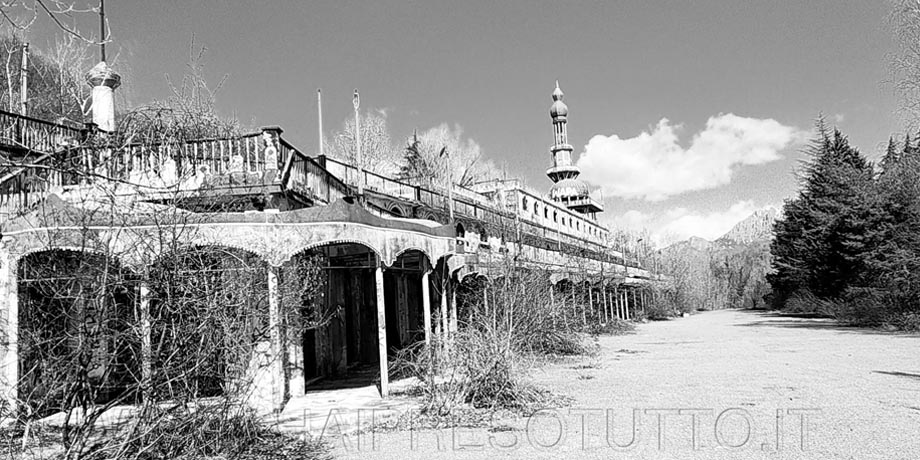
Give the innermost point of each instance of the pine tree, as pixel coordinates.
(822, 241)
(895, 265)
(891, 158)
(415, 165)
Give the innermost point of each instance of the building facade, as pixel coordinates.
(148, 239)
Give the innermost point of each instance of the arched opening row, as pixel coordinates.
(202, 322)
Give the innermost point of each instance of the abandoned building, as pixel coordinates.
(250, 222)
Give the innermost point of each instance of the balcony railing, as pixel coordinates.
(306, 177)
(22, 188)
(498, 220)
(62, 157)
(22, 132)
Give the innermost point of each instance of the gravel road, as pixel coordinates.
(725, 385)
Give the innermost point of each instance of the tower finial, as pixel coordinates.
(557, 83)
(102, 29)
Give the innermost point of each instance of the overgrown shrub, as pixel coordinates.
(505, 327)
(667, 300)
(804, 302)
(614, 326)
(906, 321)
(220, 431)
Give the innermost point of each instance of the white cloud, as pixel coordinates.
(654, 166)
(634, 219)
(681, 224)
(677, 224)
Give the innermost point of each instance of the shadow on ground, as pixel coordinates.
(815, 322)
(899, 374)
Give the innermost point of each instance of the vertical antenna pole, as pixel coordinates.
(358, 157)
(102, 28)
(24, 80)
(319, 110)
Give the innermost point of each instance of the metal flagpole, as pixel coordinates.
(359, 158)
(319, 112)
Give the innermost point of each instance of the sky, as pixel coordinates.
(685, 116)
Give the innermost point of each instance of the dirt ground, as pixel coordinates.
(725, 384)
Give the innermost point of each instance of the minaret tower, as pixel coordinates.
(561, 150)
(567, 188)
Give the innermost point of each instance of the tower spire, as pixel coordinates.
(561, 150)
(567, 188)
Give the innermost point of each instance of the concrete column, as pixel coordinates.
(426, 306)
(590, 299)
(104, 81)
(485, 301)
(382, 334)
(635, 301)
(575, 308)
(453, 310)
(445, 330)
(552, 301)
(9, 293)
(626, 303)
(143, 311)
(604, 295)
(616, 302)
(276, 365)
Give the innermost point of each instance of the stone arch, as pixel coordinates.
(317, 244)
(461, 230)
(332, 308)
(556, 278)
(404, 297)
(483, 233)
(405, 250)
(60, 292)
(207, 300)
(427, 215)
(66, 248)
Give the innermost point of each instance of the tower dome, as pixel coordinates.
(558, 109)
(568, 189)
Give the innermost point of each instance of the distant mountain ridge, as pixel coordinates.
(729, 272)
(757, 227)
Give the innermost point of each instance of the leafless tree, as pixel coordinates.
(379, 154)
(20, 15)
(905, 61)
(447, 155)
(179, 343)
(56, 89)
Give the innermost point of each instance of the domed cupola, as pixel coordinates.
(568, 189)
(558, 110)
